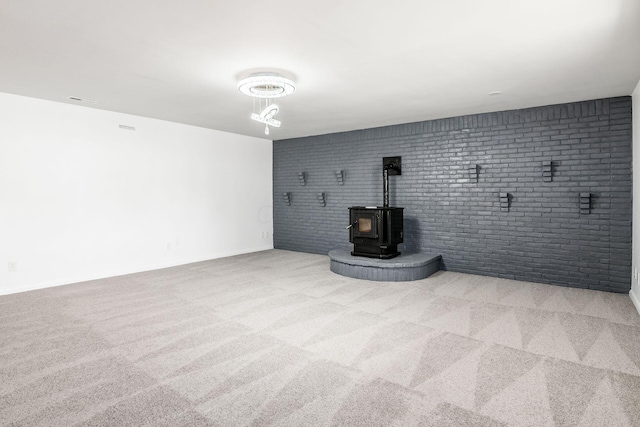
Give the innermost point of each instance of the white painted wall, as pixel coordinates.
(81, 198)
(635, 263)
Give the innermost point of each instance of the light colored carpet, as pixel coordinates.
(275, 338)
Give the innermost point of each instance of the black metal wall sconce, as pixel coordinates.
(547, 170)
(340, 177)
(302, 177)
(585, 203)
(287, 198)
(504, 202)
(322, 201)
(472, 172)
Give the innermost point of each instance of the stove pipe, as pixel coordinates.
(385, 187)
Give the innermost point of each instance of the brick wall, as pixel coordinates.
(544, 234)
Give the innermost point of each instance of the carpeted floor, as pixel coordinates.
(275, 338)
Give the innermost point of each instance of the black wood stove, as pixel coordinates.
(376, 231)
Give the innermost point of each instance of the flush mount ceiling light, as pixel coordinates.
(266, 85)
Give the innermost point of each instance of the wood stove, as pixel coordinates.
(376, 231)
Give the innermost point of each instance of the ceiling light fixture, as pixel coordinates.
(269, 122)
(266, 86)
(266, 117)
(269, 112)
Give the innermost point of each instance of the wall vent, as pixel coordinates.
(78, 99)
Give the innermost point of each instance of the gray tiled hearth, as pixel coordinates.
(406, 267)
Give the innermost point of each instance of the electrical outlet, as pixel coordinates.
(12, 266)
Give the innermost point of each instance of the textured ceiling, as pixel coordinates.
(358, 64)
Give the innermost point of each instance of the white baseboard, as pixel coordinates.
(635, 299)
(115, 273)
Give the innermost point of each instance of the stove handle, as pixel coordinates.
(351, 225)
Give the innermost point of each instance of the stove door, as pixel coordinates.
(366, 224)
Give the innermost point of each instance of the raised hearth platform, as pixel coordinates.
(402, 268)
